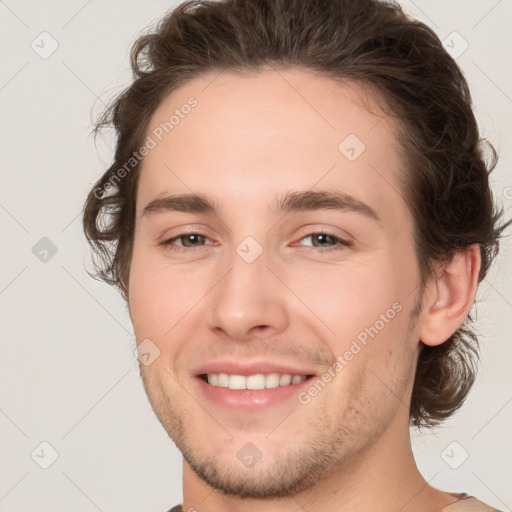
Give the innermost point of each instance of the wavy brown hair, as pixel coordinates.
(446, 183)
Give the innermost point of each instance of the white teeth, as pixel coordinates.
(272, 380)
(237, 382)
(285, 380)
(223, 380)
(257, 381)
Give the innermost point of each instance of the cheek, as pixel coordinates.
(348, 298)
(162, 297)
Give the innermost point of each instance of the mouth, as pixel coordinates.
(258, 381)
(254, 393)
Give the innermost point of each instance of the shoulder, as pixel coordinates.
(469, 504)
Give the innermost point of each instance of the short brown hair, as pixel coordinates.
(368, 41)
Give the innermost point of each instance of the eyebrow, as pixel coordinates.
(283, 204)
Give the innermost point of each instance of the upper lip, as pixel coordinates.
(238, 368)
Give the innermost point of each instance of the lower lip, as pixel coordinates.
(249, 400)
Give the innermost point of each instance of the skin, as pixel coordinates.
(250, 138)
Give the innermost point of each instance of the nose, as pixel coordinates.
(249, 301)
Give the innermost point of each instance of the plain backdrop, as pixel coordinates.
(70, 394)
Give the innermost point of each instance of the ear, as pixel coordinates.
(449, 296)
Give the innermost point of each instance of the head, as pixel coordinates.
(247, 104)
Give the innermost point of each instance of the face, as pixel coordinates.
(295, 259)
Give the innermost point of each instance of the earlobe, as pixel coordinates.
(450, 296)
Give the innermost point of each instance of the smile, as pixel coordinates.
(254, 382)
(251, 393)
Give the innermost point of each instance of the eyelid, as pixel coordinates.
(186, 229)
(341, 243)
(167, 241)
(316, 229)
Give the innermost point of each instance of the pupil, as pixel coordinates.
(320, 236)
(193, 238)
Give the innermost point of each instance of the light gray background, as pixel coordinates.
(68, 374)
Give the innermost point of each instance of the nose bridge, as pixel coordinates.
(248, 295)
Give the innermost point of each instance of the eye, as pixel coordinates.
(327, 241)
(193, 241)
(188, 241)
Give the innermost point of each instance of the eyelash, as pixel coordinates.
(341, 242)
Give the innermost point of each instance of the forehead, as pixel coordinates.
(247, 137)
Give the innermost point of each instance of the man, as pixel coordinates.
(300, 215)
